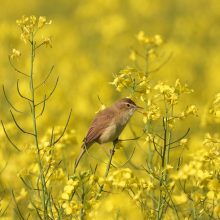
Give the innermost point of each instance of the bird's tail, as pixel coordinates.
(83, 150)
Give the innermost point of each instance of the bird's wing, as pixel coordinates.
(99, 124)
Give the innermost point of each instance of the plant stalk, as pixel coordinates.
(35, 131)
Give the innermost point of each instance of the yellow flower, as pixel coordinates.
(15, 54)
(125, 78)
(140, 36)
(168, 167)
(171, 122)
(137, 196)
(214, 184)
(33, 19)
(132, 56)
(65, 196)
(217, 210)
(22, 195)
(127, 175)
(191, 110)
(144, 184)
(47, 42)
(68, 189)
(41, 21)
(102, 107)
(217, 113)
(22, 21)
(152, 113)
(180, 88)
(197, 197)
(158, 40)
(215, 107)
(183, 142)
(149, 138)
(121, 183)
(179, 199)
(211, 195)
(151, 54)
(217, 99)
(67, 208)
(164, 88)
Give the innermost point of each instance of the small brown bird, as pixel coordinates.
(108, 125)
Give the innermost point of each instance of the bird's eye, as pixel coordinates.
(128, 105)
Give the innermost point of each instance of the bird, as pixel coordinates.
(108, 125)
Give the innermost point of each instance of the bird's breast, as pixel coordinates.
(108, 134)
(115, 128)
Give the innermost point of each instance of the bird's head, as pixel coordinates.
(127, 106)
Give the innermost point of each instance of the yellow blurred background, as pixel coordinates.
(92, 40)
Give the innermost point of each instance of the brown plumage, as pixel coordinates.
(99, 124)
(108, 125)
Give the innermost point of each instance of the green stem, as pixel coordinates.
(160, 207)
(108, 167)
(82, 215)
(43, 182)
(169, 139)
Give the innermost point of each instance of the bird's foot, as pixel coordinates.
(115, 141)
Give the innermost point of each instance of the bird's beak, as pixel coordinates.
(138, 107)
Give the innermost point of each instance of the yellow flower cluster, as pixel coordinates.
(22, 195)
(30, 25)
(171, 94)
(69, 205)
(51, 157)
(190, 110)
(182, 88)
(193, 169)
(139, 86)
(124, 179)
(179, 198)
(152, 113)
(201, 176)
(68, 138)
(151, 44)
(121, 178)
(88, 184)
(80, 194)
(69, 188)
(129, 77)
(160, 101)
(72, 208)
(156, 40)
(15, 54)
(215, 108)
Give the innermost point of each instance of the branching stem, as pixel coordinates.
(112, 152)
(44, 193)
